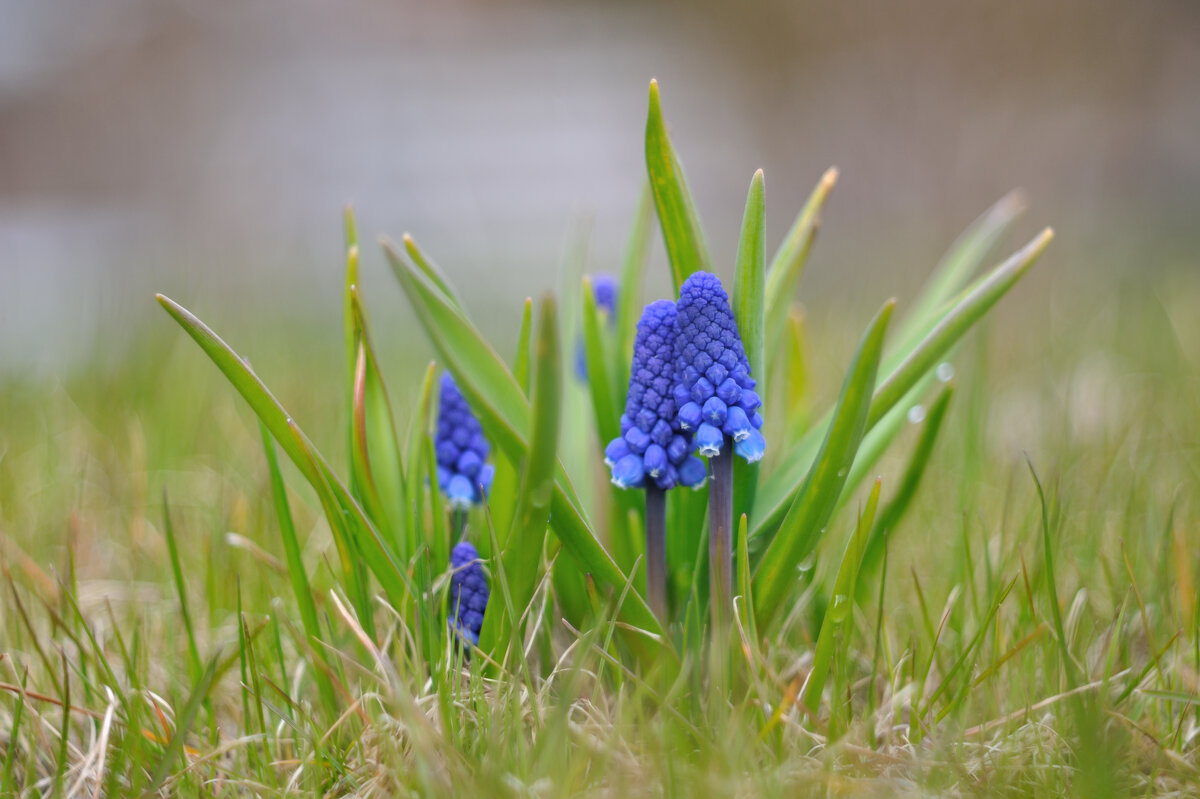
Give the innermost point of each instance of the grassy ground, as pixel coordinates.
(120, 675)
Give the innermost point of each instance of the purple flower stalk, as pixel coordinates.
(715, 392)
(463, 473)
(468, 593)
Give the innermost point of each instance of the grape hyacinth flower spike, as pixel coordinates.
(717, 402)
(604, 290)
(652, 452)
(468, 593)
(463, 473)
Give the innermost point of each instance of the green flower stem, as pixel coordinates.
(656, 550)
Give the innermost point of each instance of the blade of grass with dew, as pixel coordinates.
(523, 554)
(788, 264)
(842, 604)
(893, 511)
(295, 566)
(502, 499)
(779, 489)
(292, 440)
(748, 301)
(505, 414)
(682, 234)
(816, 500)
(605, 402)
(376, 463)
(629, 305)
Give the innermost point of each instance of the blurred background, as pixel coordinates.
(205, 148)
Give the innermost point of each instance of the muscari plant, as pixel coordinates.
(697, 366)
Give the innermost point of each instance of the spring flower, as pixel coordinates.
(468, 593)
(652, 448)
(463, 473)
(604, 290)
(714, 390)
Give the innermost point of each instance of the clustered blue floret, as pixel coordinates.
(463, 473)
(468, 593)
(652, 446)
(714, 391)
(604, 291)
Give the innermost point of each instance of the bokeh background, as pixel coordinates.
(205, 148)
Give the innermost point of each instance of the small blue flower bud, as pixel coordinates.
(757, 420)
(616, 449)
(737, 426)
(459, 492)
(729, 391)
(690, 416)
(678, 449)
(709, 440)
(655, 460)
(629, 472)
(637, 440)
(461, 449)
(711, 366)
(751, 447)
(469, 464)
(702, 390)
(652, 443)
(692, 472)
(468, 593)
(714, 411)
(749, 401)
(716, 374)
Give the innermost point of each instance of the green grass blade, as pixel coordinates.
(748, 298)
(788, 264)
(604, 397)
(682, 234)
(376, 463)
(181, 590)
(745, 583)
(183, 723)
(523, 553)
(817, 498)
(294, 443)
(842, 604)
(296, 571)
(968, 310)
(432, 271)
(521, 369)
(893, 511)
(502, 500)
(629, 305)
(506, 417)
(418, 433)
(778, 491)
(958, 264)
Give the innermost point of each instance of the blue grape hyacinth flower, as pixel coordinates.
(714, 390)
(463, 473)
(604, 289)
(652, 448)
(468, 593)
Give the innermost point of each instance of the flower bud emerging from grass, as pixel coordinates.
(463, 473)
